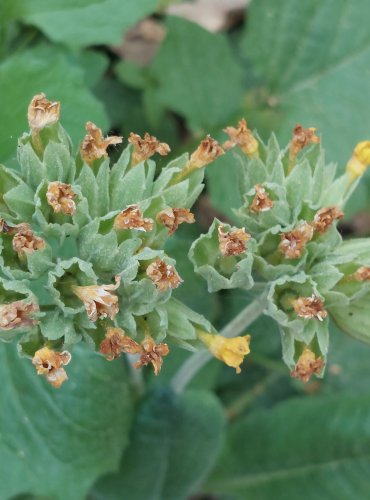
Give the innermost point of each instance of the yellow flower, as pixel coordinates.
(230, 351)
(359, 160)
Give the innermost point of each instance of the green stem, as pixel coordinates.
(236, 326)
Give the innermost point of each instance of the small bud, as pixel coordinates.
(116, 342)
(173, 217)
(99, 301)
(242, 137)
(163, 275)
(25, 241)
(301, 138)
(261, 202)
(325, 217)
(146, 147)
(359, 161)
(310, 307)
(61, 198)
(50, 363)
(293, 242)
(42, 112)
(17, 314)
(4, 228)
(362, 274)
(207, 152)
(152, 353)
(132, 218)
(307, 365)
(94, 146)
(232, 242)
(230, 351)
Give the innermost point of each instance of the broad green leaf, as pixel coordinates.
(56, 442)
(174, 443)
(306, 448)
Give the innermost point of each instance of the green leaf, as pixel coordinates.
(56, 442)
(174, 443)
(296, 450)
(197, 75)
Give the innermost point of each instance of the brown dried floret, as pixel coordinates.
(146, 147)
(232, 242)
(116, 342)
(301, 138)
(310, 307)
(25, 241)
(50, 363)
(261, 202)
(42, 112)
(173, 217)
(17, 314)
(243, 137)
(293, 242)
(152, 353)
(207, 152)
(94, 146)
(132, 218)
(99, 301)
(61, 197)
(163, 275)
(362, 274)
(325, 217)
(308, 364)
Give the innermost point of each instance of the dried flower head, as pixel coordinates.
(310, 307)
(325, 217)
(61, 197)
(132, 218)
(207, 152)
(42, 112)
(50, 363)
(362, 274)
(243, 137)
(163, 275)
(261, 202)
(99, 301)
(17, 314)
(94, 146)
(232, 242)
(230, 351)
(146, 147)
(25, 241)
(152, 353)
(173, 217)
(116, 342)
(307, 365)
(293, 242)
(359, 161)
(301, 138)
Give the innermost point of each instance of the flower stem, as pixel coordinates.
(236, 326)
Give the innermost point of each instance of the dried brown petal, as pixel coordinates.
(50, 363)
(173, 217)
(301, 138)
(261, 202)
(17, 314)
(61, 197)
(207, 152)
(25, 241)
(99, 301)
(146, 147)
(132, 218)
(152, 353)
(163, 275)
(325, 217)
(310, 307)
(116, 342)
(243, 137)
(293, 242)
(307, 365)
(232, 242)
(42, 112)
(362, 274)
(94, 146)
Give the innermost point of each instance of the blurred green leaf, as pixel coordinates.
(175, 442)
(56, 442)
(305, 448)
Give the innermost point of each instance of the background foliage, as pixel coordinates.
(276, 62)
